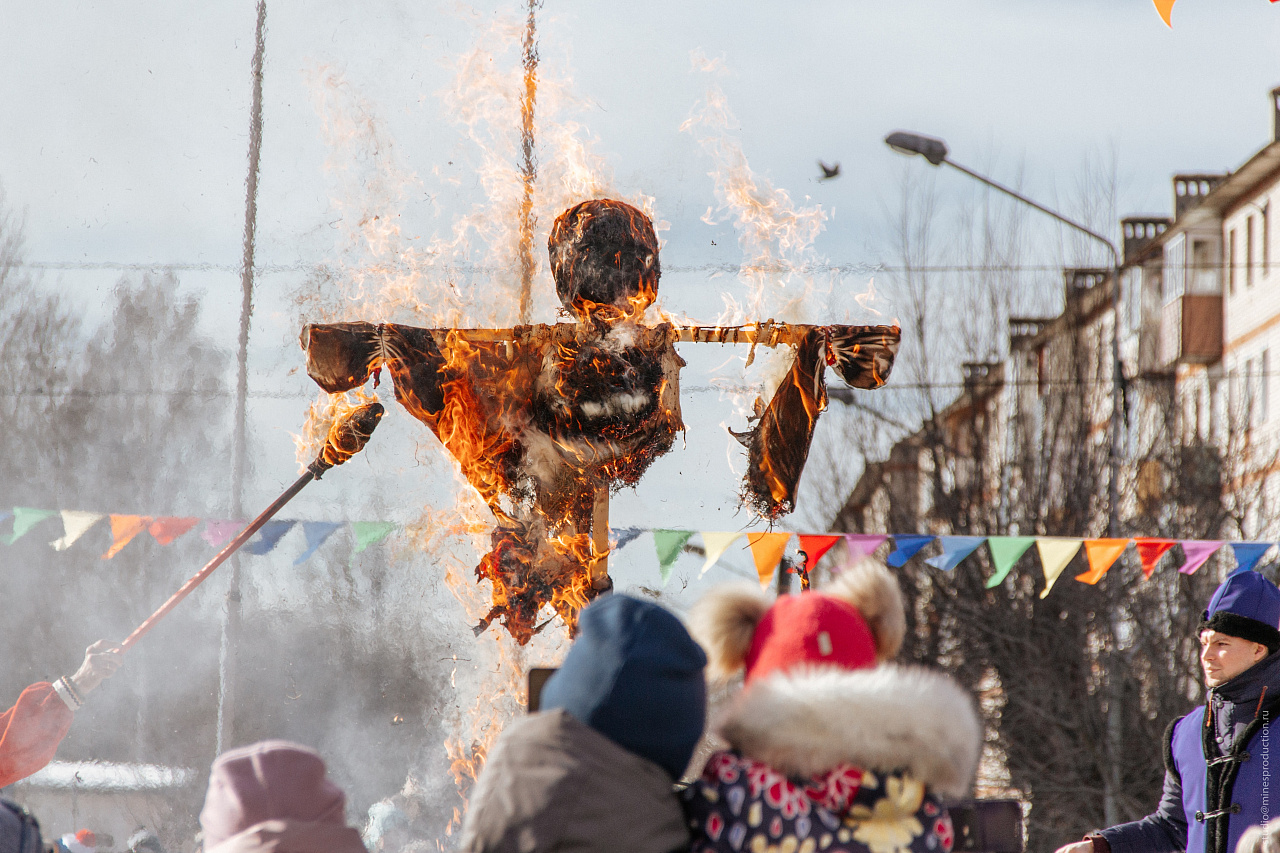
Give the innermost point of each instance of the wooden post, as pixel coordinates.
(600, 539)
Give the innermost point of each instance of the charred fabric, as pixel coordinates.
(545, 419)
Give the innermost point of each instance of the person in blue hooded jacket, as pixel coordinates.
(1217, 758)
(594, 769)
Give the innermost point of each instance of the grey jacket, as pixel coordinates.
(552, 783)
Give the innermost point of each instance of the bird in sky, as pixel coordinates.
(828, 172)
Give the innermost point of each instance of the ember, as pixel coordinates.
(546, 421)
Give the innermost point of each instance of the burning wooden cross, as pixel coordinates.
(546, 420)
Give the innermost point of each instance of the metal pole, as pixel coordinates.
(1115, 719)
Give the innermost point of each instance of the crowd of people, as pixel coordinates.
(827, 745)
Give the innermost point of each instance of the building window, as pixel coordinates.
(1264, 380)
(1248, 251)
(1266, 242)
(1231, 262)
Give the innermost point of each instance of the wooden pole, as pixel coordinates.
(600, 539)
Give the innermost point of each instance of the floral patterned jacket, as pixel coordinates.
(796, 779)
(741, 804)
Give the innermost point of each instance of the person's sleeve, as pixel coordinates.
(30, 732)
(1164, 831)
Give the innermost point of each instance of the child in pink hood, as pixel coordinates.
(274, 797)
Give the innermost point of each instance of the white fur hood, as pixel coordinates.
(889, 718)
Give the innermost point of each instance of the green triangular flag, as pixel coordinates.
(25, 518)
(371, 532)
(668, 544)
(1005, 552)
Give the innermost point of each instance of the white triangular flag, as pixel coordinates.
(715, 544)
(74, 525)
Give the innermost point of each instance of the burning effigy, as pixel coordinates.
(547, 420)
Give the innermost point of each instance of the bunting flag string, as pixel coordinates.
(767, 548)
(165, 530)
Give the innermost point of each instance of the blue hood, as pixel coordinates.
(635, 675)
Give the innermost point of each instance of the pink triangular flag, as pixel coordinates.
(864, 544)
(1198, 552)
(218, 532)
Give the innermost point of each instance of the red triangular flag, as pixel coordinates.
(815, 545)
(1150, 550)
(165, 530)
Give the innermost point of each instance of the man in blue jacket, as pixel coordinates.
(1217, 768)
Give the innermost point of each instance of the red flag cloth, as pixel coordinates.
(165, 530)
(30, 732)
(1150, 550)
(815, 545)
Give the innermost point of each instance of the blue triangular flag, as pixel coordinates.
(954, 549)
(269, 536)
(1248, 554)
(905, 547)
(316, 532)
(624, 536)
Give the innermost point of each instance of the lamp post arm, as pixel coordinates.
(1115, 255)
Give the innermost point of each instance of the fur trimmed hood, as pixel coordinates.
(888, 718)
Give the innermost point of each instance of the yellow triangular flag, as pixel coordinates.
(74, 525)
(767, 550)
(715, 544)
(123, 529)
(1055, 553)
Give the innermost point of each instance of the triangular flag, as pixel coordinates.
(25, 518)
(1005, 553)
(767, 550)
(74, 525)
(1150, 550)
(123, 529)
(371, 532)
(1055, 553)
(954, 549)
(668, 544)
(860, 544)
(315, 532)
(1198, 552)
(165, 530)
(624, 536)
(715, 544)
(905, 547)
(269, 536)
(1102, 555)
(1247, 553)
(220, 531)
(815, 545)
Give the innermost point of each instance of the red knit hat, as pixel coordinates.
(855, 623)
(813, 628)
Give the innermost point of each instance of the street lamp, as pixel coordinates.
(935, 151)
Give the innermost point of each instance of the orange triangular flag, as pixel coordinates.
(767, 550)
(123, 529)
(1150, 550)
(1165, 8)
(1102, 555)
(165, 530)
(815, 545)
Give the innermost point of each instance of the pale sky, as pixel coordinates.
(125, 131)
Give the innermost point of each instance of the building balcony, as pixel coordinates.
(1191, 330)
